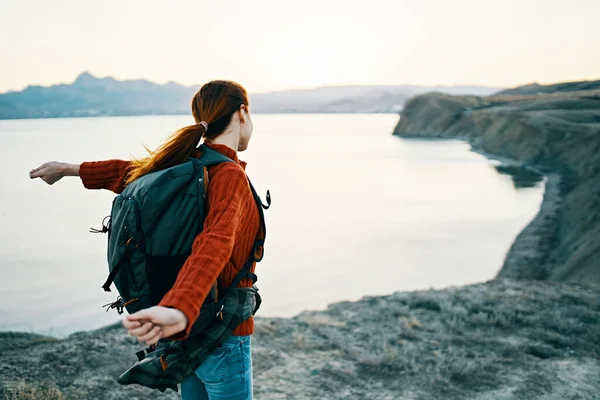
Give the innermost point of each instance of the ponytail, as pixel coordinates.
(215, 102)
(175, 150)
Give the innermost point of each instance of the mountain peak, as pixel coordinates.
(85, 78)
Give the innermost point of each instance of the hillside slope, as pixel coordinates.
(558, 133)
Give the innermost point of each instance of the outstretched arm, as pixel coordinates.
(53, 171)
(110, 175)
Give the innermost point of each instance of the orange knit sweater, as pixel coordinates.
(221, 249)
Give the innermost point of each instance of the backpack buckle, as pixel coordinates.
(258, 253)
(220, 313)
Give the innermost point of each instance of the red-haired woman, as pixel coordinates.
(222, 114)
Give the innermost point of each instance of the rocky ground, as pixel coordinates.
(504, 339)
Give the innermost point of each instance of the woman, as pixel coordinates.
(222, 114)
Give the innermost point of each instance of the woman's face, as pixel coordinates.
(246, 128)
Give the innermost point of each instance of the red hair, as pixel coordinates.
(215, 103)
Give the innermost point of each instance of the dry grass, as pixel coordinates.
(24, 391)
(475, 342)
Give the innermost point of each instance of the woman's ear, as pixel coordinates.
(243, 111)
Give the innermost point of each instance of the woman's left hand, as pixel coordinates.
(152, 324)
(53, 171)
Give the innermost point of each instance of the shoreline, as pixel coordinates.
(530, 248)
(532, 245)
(557, 135)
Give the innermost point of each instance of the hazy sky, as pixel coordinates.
(278, 44)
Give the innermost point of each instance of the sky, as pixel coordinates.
(271, 45)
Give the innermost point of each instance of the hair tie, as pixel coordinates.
(204, 124)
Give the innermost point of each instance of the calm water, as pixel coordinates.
(355, 212)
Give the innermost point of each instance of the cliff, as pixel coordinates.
(503, 339)
(556, 131)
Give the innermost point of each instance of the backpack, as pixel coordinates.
(152, 226)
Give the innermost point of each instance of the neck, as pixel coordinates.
(229, 139)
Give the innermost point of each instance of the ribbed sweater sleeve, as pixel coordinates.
(213, 247)
(110, 174)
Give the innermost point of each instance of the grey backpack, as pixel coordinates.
(152, 226)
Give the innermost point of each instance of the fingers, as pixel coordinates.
(50, 172)
(131, 324)
(151, 324)
(151, 337)
(39, 168)
(148, 332)
(46, 176)
(142, 330)
(36, 173)
(141, 315)
(51, 180)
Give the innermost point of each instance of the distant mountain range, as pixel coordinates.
(89, 96)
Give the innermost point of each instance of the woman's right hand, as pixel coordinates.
(51, 172)
(151, 324)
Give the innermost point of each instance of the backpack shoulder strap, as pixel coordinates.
(257, 248)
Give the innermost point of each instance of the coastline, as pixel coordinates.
(557, 135)
(527, 255)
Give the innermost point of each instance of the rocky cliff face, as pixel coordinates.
(557, 133)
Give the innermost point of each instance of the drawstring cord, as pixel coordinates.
(119, 304)
(105, 226)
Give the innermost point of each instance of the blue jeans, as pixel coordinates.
(226, 374)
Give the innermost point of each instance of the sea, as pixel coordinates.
(356, 212)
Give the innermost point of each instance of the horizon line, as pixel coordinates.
(171, 82)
